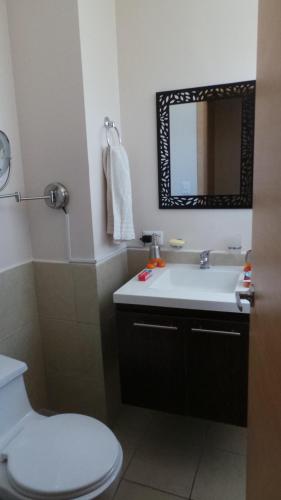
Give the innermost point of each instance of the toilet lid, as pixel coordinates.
(62, 456)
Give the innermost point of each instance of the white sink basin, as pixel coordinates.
(185, 286)
(215, 279)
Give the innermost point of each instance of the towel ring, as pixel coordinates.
(111, 125)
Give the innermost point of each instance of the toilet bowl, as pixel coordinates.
(66, 456)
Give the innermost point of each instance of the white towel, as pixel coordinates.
(119, 193)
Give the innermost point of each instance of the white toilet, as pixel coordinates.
(63, 457)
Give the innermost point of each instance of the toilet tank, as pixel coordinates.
(14, 403)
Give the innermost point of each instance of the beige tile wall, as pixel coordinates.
(137, 258)
(111, 274)
(77, 319)
(20, 335)
(69, 317)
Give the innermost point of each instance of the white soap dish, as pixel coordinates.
(176, 243)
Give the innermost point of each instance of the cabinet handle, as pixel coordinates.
(159, 327)
(222, 332)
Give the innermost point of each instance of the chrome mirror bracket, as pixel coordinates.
(57, 196)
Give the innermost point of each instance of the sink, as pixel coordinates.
(206, 280)
(186, 286)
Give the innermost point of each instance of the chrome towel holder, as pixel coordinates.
(55, 195)
(109, 124)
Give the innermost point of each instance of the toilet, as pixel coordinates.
(66, 456)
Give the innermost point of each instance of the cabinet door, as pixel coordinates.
(151, 353)
(217, 371)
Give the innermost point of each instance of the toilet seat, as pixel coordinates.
(62, 457)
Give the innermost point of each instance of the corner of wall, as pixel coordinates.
(111, 274)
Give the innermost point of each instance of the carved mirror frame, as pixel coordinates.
(245, 90)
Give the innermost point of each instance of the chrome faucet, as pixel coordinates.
(205, 259)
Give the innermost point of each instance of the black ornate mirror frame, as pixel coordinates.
(164, 100)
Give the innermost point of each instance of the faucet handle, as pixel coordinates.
(205, 253)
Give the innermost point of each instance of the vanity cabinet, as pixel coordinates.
(183, 361)
(151, 360)
(217, 369)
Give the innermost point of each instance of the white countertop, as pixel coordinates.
(185, 286)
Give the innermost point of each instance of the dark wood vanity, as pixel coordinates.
(185, 361)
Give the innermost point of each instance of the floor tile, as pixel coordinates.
(128, 453)
(168, 456)
(227, 437)
(162, 453)
(168, 471)
(175, 431)
(131, 491)
(221, 476)
(132, 425)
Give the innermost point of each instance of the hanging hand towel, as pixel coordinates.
(119, 193)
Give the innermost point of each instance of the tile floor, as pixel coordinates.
(169, 457)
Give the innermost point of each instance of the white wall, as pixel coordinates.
(15, 245)
(48, 75)
(170, 44)
(101, 96)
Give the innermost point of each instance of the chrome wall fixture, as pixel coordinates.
(55, 195)
(109, 124)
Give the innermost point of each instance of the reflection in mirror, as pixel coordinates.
(205, 147)
(5, 159)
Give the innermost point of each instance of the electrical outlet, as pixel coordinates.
(159, 233)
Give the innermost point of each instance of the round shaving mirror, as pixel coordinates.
(5, 160)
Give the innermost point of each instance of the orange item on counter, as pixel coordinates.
(161, 263)
(152, 263)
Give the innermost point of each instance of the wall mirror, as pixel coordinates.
(5, 160)
(206, 146)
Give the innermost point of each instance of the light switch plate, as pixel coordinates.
(159, 233)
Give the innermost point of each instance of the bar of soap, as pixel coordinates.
(176, 242)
